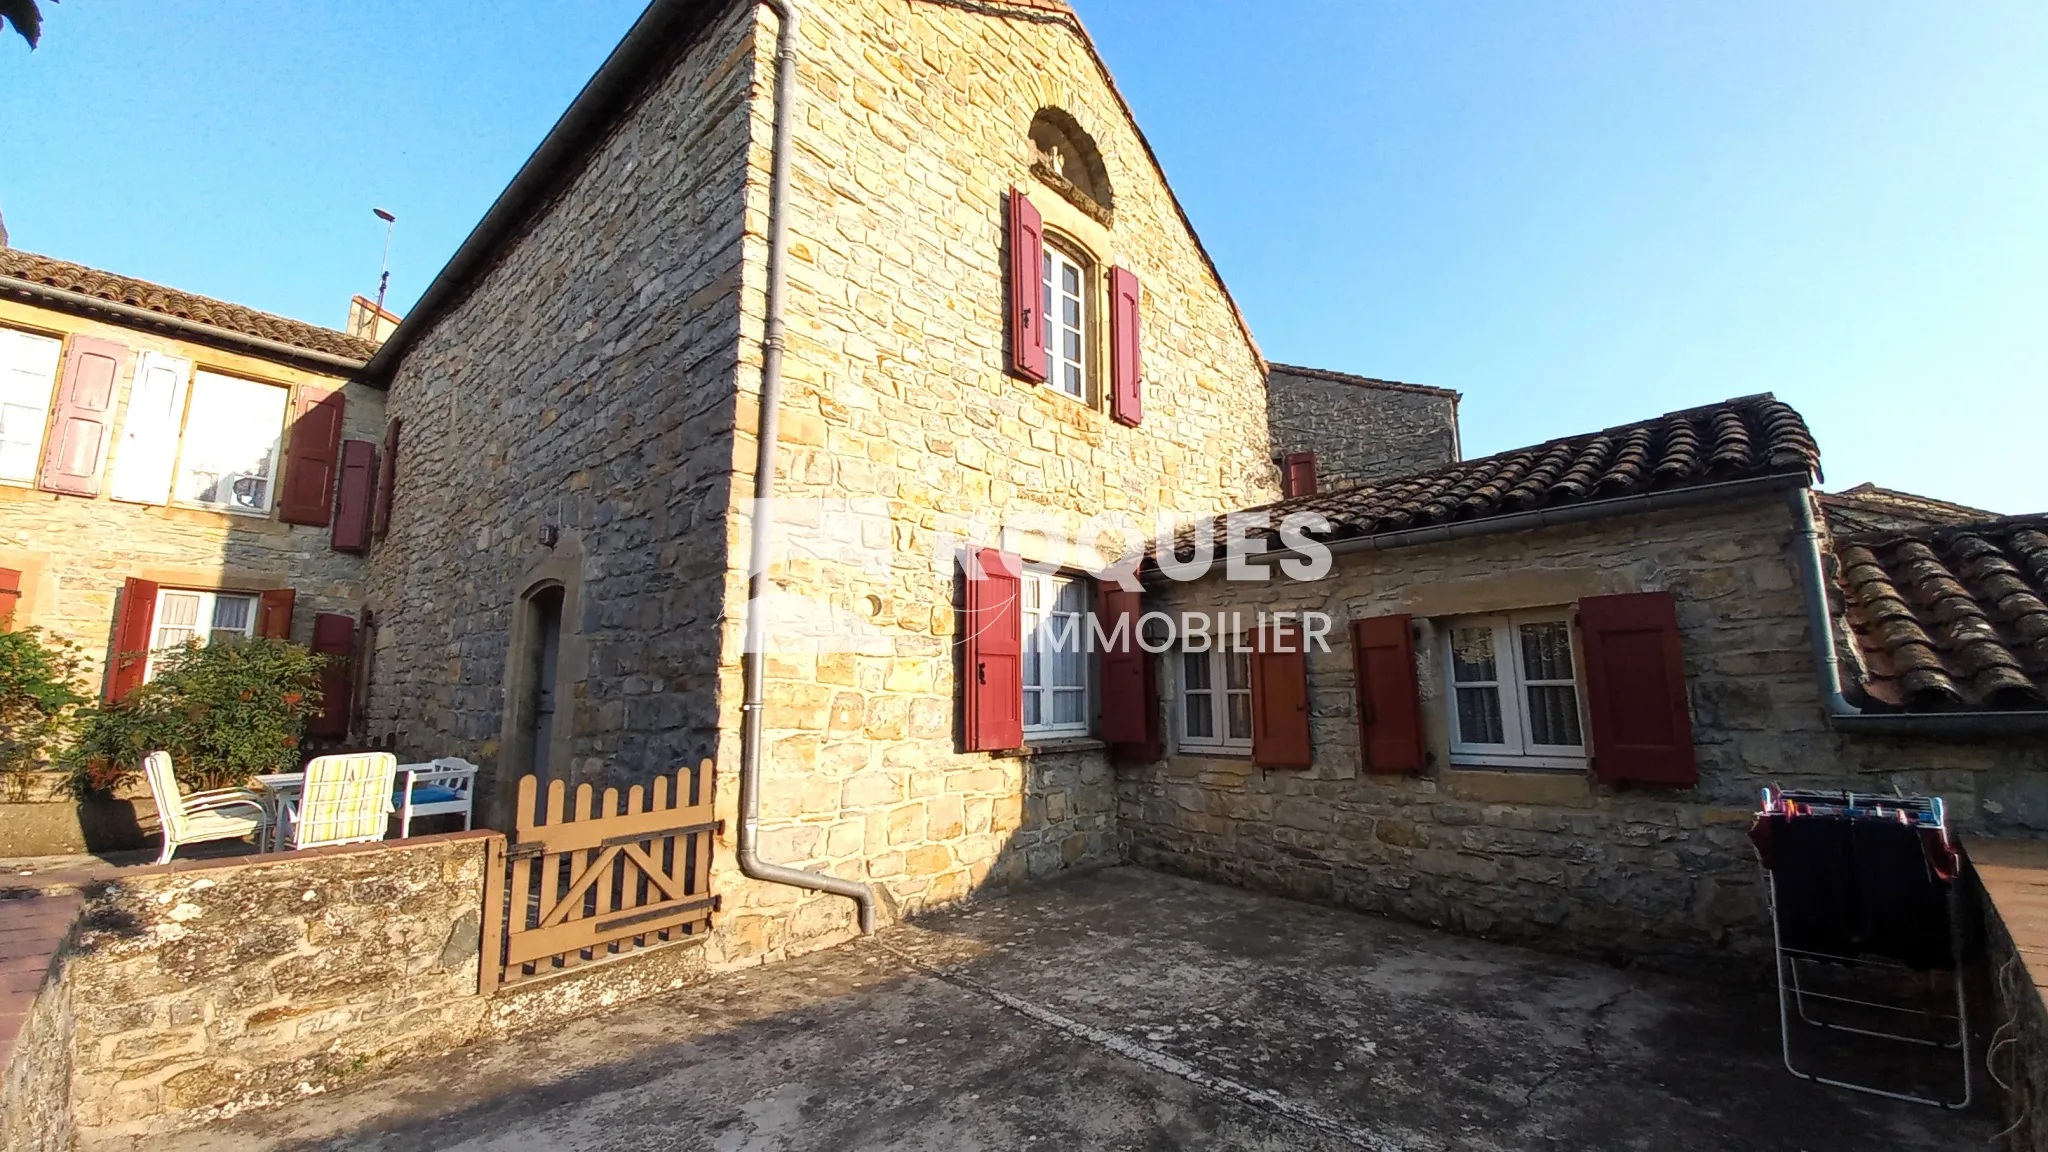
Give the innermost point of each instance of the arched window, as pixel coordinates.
(1065, 157)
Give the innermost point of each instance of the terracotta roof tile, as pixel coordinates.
(1951, 618)
(184, 305)
(1745, 438)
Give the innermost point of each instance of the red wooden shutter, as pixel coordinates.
(1299, 477)
(1027, 289)
(1130, 686)
(10, 597)
(387, 479)
(1635, 689)
(311, 458)
(334, 636)
(1389, 697)
(83, 424)
(358, 495)
(1126, 366)
(1280, 700)
(133, 623)
(994, 667)
(274, 614)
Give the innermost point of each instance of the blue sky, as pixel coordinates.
(1576, 214)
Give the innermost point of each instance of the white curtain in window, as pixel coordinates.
(231, 443)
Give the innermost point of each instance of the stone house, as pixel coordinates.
(1556, 678)
(908, 268)
(1335, 430)
(174, 468)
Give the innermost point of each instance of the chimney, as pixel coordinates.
(368, 321)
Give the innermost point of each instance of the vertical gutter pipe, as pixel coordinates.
(761, 548)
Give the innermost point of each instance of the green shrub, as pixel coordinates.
(225, 712)
(41, 691)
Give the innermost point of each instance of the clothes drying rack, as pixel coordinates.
(1928, 815)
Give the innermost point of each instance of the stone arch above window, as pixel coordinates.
(1064, 157)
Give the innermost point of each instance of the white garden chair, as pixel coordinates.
(202, 816)
(345, 799)
(445, 787)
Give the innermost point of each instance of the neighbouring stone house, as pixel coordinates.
(1336, 430)
(1558, 677)
(177, 468)
(1006, 361)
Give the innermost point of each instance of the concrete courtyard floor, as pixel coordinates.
(1130, 1010)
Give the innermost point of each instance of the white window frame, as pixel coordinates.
(208, 601)
(1215, 699)
(23, 373)
(1040, 592)
(200, 380)
(1516, 749)
(1053, 298)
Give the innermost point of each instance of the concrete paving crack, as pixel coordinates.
(1304, 1114)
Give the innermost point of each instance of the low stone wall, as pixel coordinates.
(2012, 881)
(198, 989)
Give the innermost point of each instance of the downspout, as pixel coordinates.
(760, 550)
(1844, 716)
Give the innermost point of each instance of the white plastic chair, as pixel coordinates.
(345, 800)
(202, 816)
(445, 787)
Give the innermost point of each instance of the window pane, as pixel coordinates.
(1196, 667)
(1073, 384)
(177, 619)
(1547, 650)
(230, 447)
(1554, 714)
(1073, 345)
(1472, 656)
(1068, 706)
(1200, 719)
(1238, 669)
(1240, 715)
(1070, 278)
(21, 431)
(231, 613)
(1031, 709)
(1479, 719)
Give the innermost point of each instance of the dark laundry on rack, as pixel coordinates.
(1857, 885)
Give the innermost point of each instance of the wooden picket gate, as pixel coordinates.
(578, 884)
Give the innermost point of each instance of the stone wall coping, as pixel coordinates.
(1050, 748)
(2014, 874)
(83, 876)
(1364, 381)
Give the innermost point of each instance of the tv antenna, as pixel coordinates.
(384, 280)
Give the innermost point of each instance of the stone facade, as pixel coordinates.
(603, 378)
(1558, 859)
(74, 553)
(1361, 430)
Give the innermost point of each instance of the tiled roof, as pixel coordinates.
(1869, 508)
(1746, 438)
(183, 305)
(1951, 618)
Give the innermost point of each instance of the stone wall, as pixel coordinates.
(587, 386)
(899, 420)
(239, 984)
(74, 553)
(1361, 430)
(605, 376)
(1663, 876)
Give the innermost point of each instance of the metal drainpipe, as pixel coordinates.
(1844, 716)
(1820, 624)
(772, 341)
